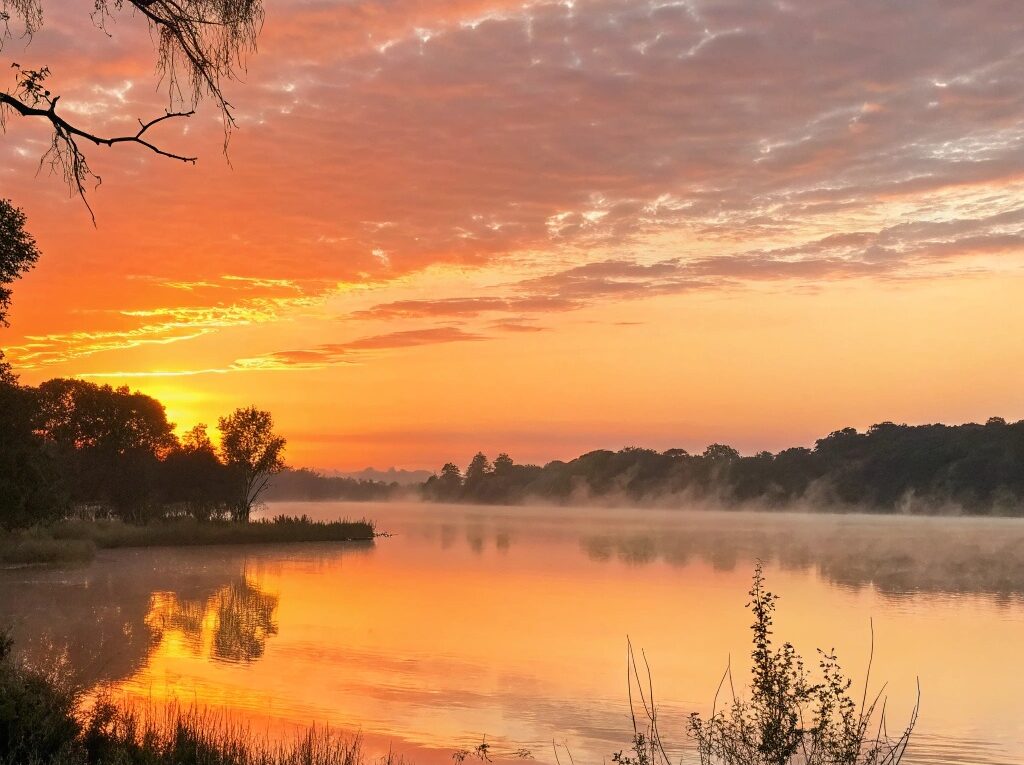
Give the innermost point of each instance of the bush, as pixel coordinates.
(788, 719)
(37, 713)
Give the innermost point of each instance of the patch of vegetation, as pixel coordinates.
(37, 547)
(43, 722)
(77, 541)
(790, 717)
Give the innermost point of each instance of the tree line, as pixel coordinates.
(303, 484)
(972, 468)
(71, 445)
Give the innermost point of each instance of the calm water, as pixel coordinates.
(512, 623)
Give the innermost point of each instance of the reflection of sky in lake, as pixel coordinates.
(512, 622)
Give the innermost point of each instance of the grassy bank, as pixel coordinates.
(77, 541)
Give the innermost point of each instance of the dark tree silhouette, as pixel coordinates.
(30, 486)
(110, 443)
(76, 414)
(478, 470)
(199, 45)
(18, 253)
(253, 452)
(971, 468)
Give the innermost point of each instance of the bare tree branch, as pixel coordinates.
(200, 44)
(63, 126)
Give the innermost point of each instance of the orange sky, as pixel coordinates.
(546, 227)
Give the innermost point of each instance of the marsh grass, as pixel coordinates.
(45, 720)
(38, 546)
(76, 541)
(118, 735)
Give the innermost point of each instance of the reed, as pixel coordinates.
(75, 541)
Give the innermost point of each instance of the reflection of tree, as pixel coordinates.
(245, 619)
(894, 555)
(105, 617)
(232, 624)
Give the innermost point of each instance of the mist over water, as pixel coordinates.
(512, 621)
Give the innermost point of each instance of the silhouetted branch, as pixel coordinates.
(64, 151)
(200, 43)
(63, 126)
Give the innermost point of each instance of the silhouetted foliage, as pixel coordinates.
(200, 44)
(976, 469)
(31, 489)
(308, 485)
(74, 445)
(252, 452)
(18, 254)
(194, 478)
(792, 716)
(109, 442)
(42, 722)
(446, 487)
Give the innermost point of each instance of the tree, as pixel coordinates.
(445, 487)
(503, 464)
(197, 440)
(76, 414)
(479, 468)
(253, 452)
(18, 253)
(109, 442)
(200, 44)
(720, 453)
(31, 487)
(193, 477)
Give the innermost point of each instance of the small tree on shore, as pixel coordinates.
(253, 452)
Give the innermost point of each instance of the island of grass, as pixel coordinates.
(76, 541)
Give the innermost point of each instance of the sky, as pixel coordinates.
(544, 227)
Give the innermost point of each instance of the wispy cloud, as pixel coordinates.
(639, 148)
(327, 354)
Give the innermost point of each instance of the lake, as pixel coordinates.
(511, 623)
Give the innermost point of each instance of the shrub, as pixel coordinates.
(789, 718)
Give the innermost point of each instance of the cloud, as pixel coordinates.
(462, 307)
(346, 353)
(897, 251)
(640, 148)
(476, 129)
(251, 301)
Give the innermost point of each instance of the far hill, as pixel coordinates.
(391, 475)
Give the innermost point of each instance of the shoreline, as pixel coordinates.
(77, 542)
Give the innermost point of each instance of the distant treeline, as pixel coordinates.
(73, 447)
(306, 484)
(976, 469)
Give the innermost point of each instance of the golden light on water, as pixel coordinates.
(512, 625)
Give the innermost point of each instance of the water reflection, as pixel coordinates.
(895, 559)
(232, 624)
(109, 617)
(511, 622)
(893, 554)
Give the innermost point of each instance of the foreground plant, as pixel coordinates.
(789, 718)
(48, 719)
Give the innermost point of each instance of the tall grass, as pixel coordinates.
(74, 541)
(44, 722)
